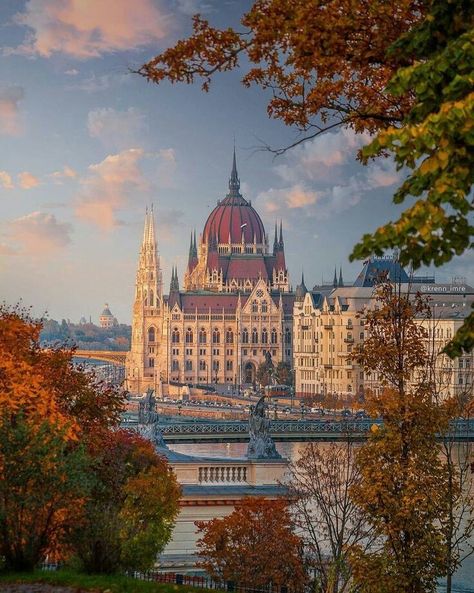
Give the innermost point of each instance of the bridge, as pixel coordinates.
(199, 431)
(113, 357)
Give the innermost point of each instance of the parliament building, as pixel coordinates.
(235, 305)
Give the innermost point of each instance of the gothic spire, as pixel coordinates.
(195, 250)
(341, 281)
(151, 228)
(281, 235)
(145, 228)
(334, 282)
(191, 248)
(234, 181)
(275, 240)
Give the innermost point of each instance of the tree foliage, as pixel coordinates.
(324, 61)
(404, 487)
(45, 383)
(321, 479)
(129, 515)
(43, 481)
(254, 546)
(435, 145)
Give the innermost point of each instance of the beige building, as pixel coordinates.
(329, 324)
(236, 306)
(106, 318)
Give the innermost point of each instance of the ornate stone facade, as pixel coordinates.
(235, 307)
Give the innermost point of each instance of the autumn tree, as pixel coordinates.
(48, 408)
(403, 489)
(402, 68)
(325, 514)
(129, 515)
(43, 481)
(255, 546)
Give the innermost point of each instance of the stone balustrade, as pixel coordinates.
(222, 474)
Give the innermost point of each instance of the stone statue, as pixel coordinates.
(148, 426)
(261, 445)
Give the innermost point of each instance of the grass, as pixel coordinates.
(96, 583)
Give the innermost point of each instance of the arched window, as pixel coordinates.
(274, 336)
(287, 336)
(229, 337)
(151, 334)
(145, 298)
(264, 307)
(254, 307)
(254, 336)
(202, 336)
(216, 337)
(189, 336)
(150, 299)
(245, 336)
(175, 336)
(264, 336)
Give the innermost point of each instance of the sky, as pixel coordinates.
(85, 146)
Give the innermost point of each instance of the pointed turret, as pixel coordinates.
(275, 241)
(301, 290)
(192, 258)
(280, 254)
(234, 181)
(280, 242)
(334, 282)
(174, 284)
(341, 281)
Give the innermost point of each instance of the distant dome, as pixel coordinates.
(233, 216)
(106, 312)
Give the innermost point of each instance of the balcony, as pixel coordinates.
(349, 340)
(328, 326)
(327, 365)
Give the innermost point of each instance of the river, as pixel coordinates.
(463, 580)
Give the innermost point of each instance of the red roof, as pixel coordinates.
(232, 217)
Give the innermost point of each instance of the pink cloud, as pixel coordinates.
(89, 28)
(109, 186)
(10, 98)
(27, 180)
(6, 180)
(39, 233)
(66, 173)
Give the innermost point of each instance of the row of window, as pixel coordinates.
(247, 337)
(188, 365)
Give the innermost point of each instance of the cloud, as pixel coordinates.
(27, 180)
(6, 180)
(10, 98)
(192, 7)
(116, 129)
(72, 72)
(166, 167)
(109, 186)
(382, 174)
(66, 173)
(104, 82)
(6, 249)
(89, 28)
(39, 233)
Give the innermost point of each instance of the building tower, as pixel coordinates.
(147, 308)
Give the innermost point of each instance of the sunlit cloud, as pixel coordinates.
(6, 180)
(39, 233)
(72, 72)
(109, 186)
(116, 129)
(27, 180)
(66, 173)
(10, 122)
(166, 167)
(89, 28)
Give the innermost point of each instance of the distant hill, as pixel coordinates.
(86, 336)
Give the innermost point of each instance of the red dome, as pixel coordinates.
(232, 217)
